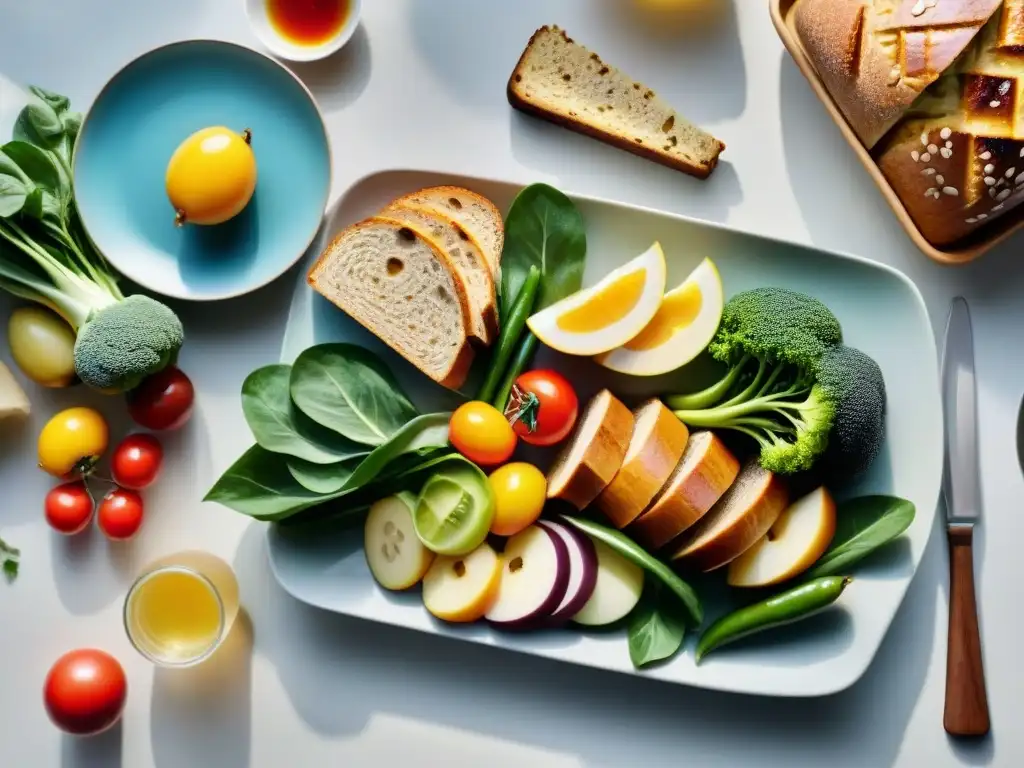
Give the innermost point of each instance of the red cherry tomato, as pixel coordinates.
(120, 514)
(543, 407)
(136, 461)
(163, 401)
(85, 692)
(69, 507)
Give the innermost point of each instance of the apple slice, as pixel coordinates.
(462, 588)
(396, 557)
(616, 592)
(791, 546)
(534, 576)
(582, 570)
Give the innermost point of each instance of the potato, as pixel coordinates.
(42, 344)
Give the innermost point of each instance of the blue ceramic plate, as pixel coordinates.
(141, 117)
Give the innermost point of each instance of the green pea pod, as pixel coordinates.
(511, 329)
(525, 353)
(789, 606)
(633, 552)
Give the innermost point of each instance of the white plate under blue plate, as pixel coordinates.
(141, 117)
(881, 312)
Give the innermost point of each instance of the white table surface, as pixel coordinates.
(422, 85)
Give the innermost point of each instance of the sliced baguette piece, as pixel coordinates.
(701, 478)
(655, 449)
(559, 80)
(465, 256)
(594, 455)
(391, 279)
(742, 516)
(474, 213)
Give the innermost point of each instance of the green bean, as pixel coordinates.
(789, 606)
(511, 330)
(524, 354)
(633, 552)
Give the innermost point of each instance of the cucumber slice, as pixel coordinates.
(454, 511)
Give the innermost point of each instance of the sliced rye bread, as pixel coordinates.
(465, 255)
(593, 456)
(701, 478)
(394, 281)
(559, 80)
(655, 447)
(474, 213)
(737, 521)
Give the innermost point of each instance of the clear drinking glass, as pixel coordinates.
(178, 612)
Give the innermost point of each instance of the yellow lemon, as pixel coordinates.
(608, 314)
(682, 327)
(211, 176)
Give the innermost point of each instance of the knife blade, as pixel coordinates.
(960, 485)
(966, 708)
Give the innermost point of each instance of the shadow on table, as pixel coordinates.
(105, 750)
(340, 672)
(338, 80)
(202, 715)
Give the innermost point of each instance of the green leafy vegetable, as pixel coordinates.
(348, 389)
(322, 478)
(633, 552)
(45, 256)
(10, 559)
(543, 228)
(260, 485)
(863, 525)
(429, 431)
(280, 427)
(657, 626)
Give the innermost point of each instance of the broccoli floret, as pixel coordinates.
(124, 342)
(859, 425)
(773, 341)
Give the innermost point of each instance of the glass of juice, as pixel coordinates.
(178, 612)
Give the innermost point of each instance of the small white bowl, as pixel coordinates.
(280, 46)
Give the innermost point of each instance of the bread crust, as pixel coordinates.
(459, 368)
(518, 99)
(875, 62)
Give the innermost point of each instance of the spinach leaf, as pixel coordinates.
(10, 560)
(39, 124)
(863, 525)
(428, 431)
(656, 626)
(260, 485)
(35, 164)
(348, 389)
(57, 102)
(13, 194)
(323, 478)
(280, 427)
(72, 127)
(543, 228)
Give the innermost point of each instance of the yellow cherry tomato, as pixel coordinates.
(481, 433)
(520, 490)
(72, 442)
(211, 177)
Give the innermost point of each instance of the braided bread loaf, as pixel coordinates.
(934, 88)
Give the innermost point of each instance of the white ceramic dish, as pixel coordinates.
(881, 312)
(280, 46)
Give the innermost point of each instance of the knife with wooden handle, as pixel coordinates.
(966, 712)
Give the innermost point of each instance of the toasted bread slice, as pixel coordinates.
(465, 255)
(474, 213)
(741, 517)
(394, 281)
(594, 454)
(559, 80)
(655, 448)
(701, 478)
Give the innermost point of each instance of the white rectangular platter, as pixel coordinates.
(881, 312)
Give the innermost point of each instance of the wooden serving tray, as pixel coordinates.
(963, 251)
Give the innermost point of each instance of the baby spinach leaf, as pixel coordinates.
(58, 102)
(657, 625)
(323, 478)
(35, 164)
(428, 431)
(260, 485)
(39, 124)
(543, 228)
(280, 427)
(863, 525)
(348, 389)
(13, 194)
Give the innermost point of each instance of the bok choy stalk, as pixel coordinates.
(46, 257)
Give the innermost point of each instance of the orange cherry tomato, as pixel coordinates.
(481, 433)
